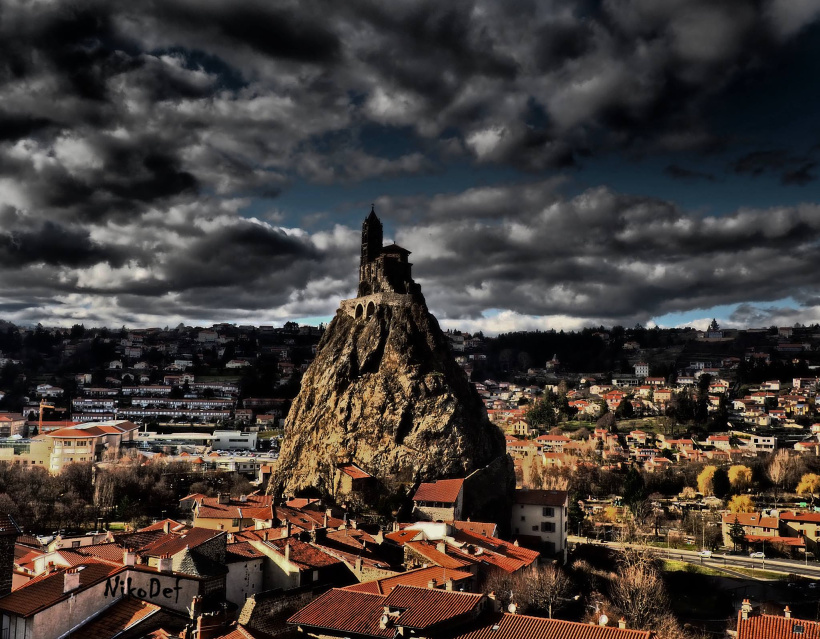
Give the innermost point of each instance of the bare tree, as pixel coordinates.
(547, 589)
(638, 590)
(778, 470)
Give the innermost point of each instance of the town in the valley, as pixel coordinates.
(379, 477)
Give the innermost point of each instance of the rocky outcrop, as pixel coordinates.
(385, 393)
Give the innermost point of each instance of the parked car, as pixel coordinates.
(757, 555)
(705, 553)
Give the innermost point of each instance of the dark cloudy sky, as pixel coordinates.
(550, 163)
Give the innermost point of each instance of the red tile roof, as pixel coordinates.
(8, 526)
(210, 508)
(345, 611)
(46, 590)
(506, 626)
(420, 578)
(354, 472)
(172, 543)
(124, 614)
(428, 550)
(776, 627)
(813, 518)
(425, 607)
(302, 554)
(444, 491)
(751, 519)
(477, 527)
(176, 526)
(241, 551)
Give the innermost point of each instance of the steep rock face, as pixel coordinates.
(385, 393)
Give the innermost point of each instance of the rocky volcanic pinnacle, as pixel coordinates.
(385, 393)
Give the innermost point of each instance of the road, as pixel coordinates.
(719, 560)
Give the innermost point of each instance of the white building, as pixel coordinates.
(642, 369)
(542, 514)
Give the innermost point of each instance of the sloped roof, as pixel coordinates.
(442, 490)
(302, 554)
(346, 611)
(420, 578)
(425, 607)
(354, 472)
(172, 543)
(776, 627)
(124, 614)
(555, 498)
(46, 590)
(8, 526)
(506, 626)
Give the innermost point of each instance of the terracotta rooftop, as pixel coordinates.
(776, 627)
(8, 526)
(750, 519)
(124, 614)
(241, 551)
(353, 471)
(46, 590)
(420, 578)
(172, 543)
(807, 517)
(302, 554)
(477, 527)
(444, 491)
(425, 607)
(506, 626)
(345, 611)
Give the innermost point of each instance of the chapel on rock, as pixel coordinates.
(384, 273)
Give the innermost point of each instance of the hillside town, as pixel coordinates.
(155, 481)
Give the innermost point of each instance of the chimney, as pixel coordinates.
(166, 526)
(494, 602)
(71, 580)
(165, 564)
(622, 623)
(442, 547)
(745, 609)
(379, 536)
(287, 528)
(287, 551)
(358, 564)
(788, 613)
(223, 498)
(129, 558)
(432, 584)
(243, 498)
(196, 607)
(353, 524)
(324, 520)
(448, 585)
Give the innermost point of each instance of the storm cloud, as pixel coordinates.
(143, 147)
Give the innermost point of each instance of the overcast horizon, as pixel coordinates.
(548, 164)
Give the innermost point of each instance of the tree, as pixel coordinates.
(542, 413)
(625, 409)
(705, 480)
(740, 477)
(778, 470)
(720, 483)
(634, 488)
(741, 504)
(809, 485)
(736, 533)
(547, 590)
(639, 592)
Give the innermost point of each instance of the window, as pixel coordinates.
(75, 544)
(535, 528)
(523, 518)
(547, 526)
(548, 512)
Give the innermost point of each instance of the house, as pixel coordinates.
(89, 441)
(805, 525)
(47, 390)
(435, 613)
(12, 424)
(553, 443)
(721, 442)
(753, 625)
(542, 514)
(754, 525)
(228, 513)
(350, 478)
(440, 500)
(641, 369)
